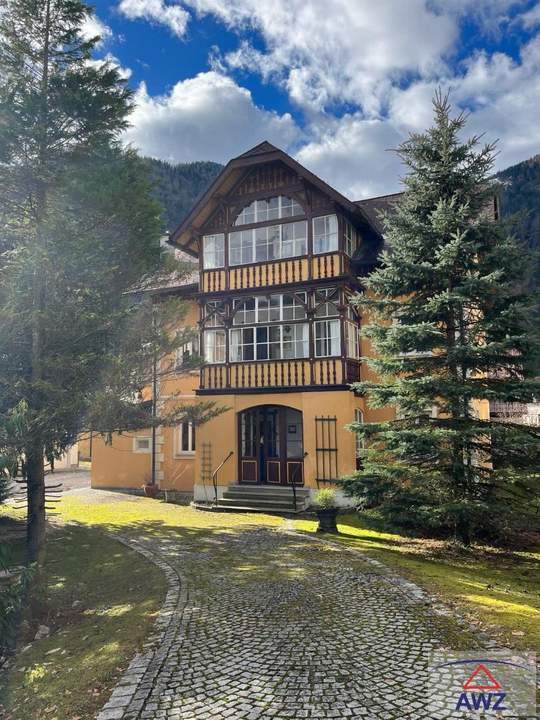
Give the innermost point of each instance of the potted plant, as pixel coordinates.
(327, 510)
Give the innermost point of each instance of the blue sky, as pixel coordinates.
(334, 82)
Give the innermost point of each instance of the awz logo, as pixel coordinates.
(481, 701)
(481, 679)
(488, 686)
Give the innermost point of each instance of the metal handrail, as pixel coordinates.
(214, 476)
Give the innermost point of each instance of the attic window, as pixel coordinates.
(274, 208)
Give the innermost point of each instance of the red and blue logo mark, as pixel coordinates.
(481, 690)
(490, 696)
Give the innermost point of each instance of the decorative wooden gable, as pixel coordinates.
(266, 178)
(216, 221)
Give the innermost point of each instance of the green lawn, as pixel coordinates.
(500, 590)
(97, 624)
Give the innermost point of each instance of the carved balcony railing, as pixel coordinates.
(279, 374)
(277, 272)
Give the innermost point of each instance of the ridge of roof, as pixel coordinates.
(378, 197)
(262, 147)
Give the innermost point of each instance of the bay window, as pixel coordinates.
(274, 308)
(327, 338)
(326, 302)
(352, 341)
(214, 312)
(214, 346)
(213, 251)
(274, 342)
(293, 239)
(272, 242)
(325, 234)
(241, 248)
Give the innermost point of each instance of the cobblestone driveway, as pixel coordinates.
(265, 624)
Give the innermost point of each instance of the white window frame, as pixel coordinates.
(261, 214)
(331, 339)
(352, 340)
(214, 258)
(136, 445)
(300, 337)
(266, 310)
(214, 346)
(214, 310)
(327, 241)
(247, 250)
(351, 238)
(332, 298)
(190, 451)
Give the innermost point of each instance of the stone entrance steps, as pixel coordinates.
(261, 498)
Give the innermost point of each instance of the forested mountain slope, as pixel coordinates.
(177, 187)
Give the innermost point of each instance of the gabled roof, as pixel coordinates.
(259, 149)
(185, 235)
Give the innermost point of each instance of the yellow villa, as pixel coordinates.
(279, 254)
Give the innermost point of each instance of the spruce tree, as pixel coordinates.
(451, 334)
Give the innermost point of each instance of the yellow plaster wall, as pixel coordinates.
(222, 431)
(116, 465)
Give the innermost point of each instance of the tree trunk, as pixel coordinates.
(35, 483)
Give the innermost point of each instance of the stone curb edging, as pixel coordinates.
(413, 592)
(133, 689)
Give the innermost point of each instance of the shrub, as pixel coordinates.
(325, 499)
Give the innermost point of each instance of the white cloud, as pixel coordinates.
(354, 156)
(503, 98)
(93, 27)
(157, 11)
(124, 72)
(380, 60)
(531, 19)
(501, 95)
(351, 58)
(208, 117)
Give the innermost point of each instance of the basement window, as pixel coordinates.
(142, 445)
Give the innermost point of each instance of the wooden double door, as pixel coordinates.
(271, 446)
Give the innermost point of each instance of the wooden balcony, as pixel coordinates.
(279, 272)
(264, 376)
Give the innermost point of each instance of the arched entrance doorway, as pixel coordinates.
(271, 446)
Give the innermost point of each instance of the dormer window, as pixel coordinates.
(274, 208)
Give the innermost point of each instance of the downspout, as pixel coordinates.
(154, 399)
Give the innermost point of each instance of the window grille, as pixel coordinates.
(326, 449)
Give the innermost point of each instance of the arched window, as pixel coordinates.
(274, 208)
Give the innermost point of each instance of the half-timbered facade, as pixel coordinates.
(279, 255)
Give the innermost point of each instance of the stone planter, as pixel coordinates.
(327, 520)
(151, 491)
